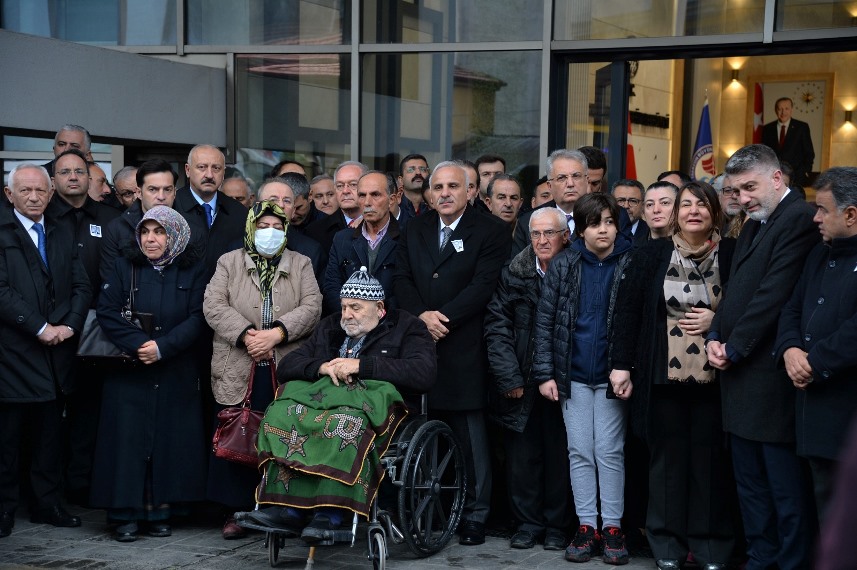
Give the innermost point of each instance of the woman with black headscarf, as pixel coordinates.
(261, 300)
(151, 452)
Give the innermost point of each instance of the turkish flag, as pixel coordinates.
(630, 163)
(758, 110)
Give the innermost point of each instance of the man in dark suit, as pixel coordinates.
(791, 140)
(44, 296)
(372, 244)
(345, 183)
(758, 398)
(219, 219)
(449, 261)
(629, 194)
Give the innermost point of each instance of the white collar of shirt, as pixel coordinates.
(201, 202)
(451, 226)
(786, 124)
(570, 220)
(539, 269)
(634, 227)
(786, 193)
(28, 225)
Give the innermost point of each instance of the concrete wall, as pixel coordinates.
(47, 83)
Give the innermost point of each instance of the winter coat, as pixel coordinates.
(31, 296)
(558, 309)
(152, 413)
(509, 335)
(399, 350)
(233, 304)
(821, 319)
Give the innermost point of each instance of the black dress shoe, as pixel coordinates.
(668, 564)
(7, 521)
(126, 532)
(555, 540)
(56, 516)
(471, 533)
(159, 529)
(523, 539)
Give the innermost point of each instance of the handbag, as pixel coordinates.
(238, 427)
(94, 344)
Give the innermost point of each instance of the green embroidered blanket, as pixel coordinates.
(321, 444)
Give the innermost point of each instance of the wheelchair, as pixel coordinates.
(425, 465)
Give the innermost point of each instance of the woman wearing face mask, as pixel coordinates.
(261, 301)
(151, 453)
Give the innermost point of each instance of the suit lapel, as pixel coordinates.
(430, 234)
(462, 231)
(763, 229)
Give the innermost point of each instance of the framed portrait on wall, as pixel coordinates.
(812, 98)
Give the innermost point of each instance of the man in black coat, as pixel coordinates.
(44, 296)
(818, 332)
(536, 459)
(372, 244)
(211, 214)
(758, 399)
(791, 140)
(345, 183)
(447, 268)
(89, 219)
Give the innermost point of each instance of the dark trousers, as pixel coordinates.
(691, 489)
(469, 428)
(83, 410)
(537, 470)
(773, 504)
(823, 478)
(36, 425)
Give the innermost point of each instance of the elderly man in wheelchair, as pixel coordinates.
(322, 442)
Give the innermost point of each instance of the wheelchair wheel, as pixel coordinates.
(431, 497)
(273, 540)
(378, 546)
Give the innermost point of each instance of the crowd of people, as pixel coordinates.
(666, 363)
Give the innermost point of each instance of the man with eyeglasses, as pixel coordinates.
(567, 175)
(345, 179)
(125, 186)
(72, 204)
(413, 172)
(218, 219)
(535, 455)
(629, 195)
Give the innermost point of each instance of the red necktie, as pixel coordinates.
(782, 136)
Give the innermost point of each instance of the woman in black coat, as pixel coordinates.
(151, 452)
(665, 308)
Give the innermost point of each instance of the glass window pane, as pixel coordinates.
(815, 14)
(456, 105)
(615, 19)
(439, 21)
(292, 106)
(36, 144)
(96, 22)
(263, 22)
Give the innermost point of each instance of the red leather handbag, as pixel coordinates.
(238, 427)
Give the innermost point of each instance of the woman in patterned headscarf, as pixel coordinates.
(665, 307)
(262, 299)
(151, 452)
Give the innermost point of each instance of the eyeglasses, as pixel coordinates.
(629, 201)
(342, 185)
(125, 193)
(728, 191)
(421, 169)
(563, 178)
(68, 171)
(549, 234)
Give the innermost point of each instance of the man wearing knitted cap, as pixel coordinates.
(361, 344)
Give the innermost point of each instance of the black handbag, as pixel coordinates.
(95, 345)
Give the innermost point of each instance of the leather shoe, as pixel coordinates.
(523, 539)
(714, 566)
(471, 533)
(555, 540)
(126, 532)
(56, 516)
(668, 564)
(160, 529)
(231, 530)
(7, 521)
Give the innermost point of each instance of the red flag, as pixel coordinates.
(758, 111)
(630, 163)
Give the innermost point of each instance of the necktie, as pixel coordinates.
(447, 233)
(209, 214)
(43, 251)
(782, 136)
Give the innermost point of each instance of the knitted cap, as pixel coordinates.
(361, 285)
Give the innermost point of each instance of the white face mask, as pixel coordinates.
(269, 241)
